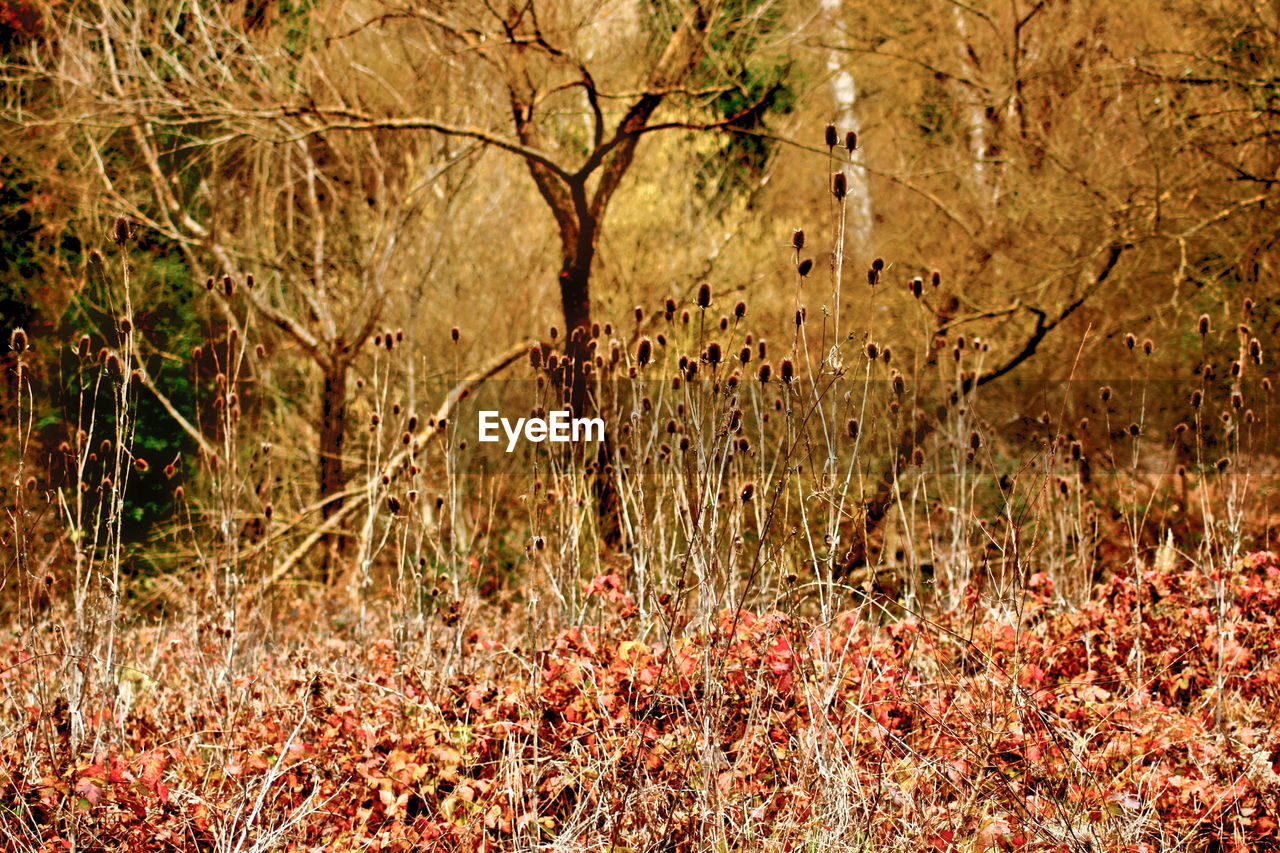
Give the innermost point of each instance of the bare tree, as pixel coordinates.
(160, 109)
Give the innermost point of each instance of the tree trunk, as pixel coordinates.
(333, 428)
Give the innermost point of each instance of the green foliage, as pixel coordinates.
(165, 320)
(753, 82)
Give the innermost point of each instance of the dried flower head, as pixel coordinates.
(851, 140)
(1203, 325)
(805, 267)
(839, 185)
(704, 296)
(644, 352)
(18, 340)
(788, 371)
(831, 137)
(797, 239)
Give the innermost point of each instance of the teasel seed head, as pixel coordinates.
(1148, 346)
(704, 296)
(1223, 464)
(669, 309)
(1255, 350)
(839, 185)
(764, 373)
(644, 352)
(1236, 367)
(1237, 400)
(740, 310)
(917, 287)
(851, 141)
(18, 340)
(935, 278)
(852, 427)
(141, 464)
(744, 355)
(713, 353)
(1134, 429)
(684, 317)
(228, 285)
(887, 355)
(787, 371)
(123, 231)
(1197, 399)
(1130, 341)
(1105, 393)
(797, 239)
(1203, 325)
(831, 137)
(1248, 306)
(805, 267)
(1207, 372)
(800, 317)
(975, 440)
(747, 491)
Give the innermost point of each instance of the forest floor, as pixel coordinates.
(1036, 726)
